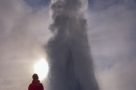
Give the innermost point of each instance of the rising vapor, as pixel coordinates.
(71, 67)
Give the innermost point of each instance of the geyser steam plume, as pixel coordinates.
(71, 66)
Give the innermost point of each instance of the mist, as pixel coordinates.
(111, 36)
(112, 39)
(23, 33)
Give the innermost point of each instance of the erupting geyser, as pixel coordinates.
(71, 66)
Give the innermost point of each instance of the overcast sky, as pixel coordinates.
(111, 32)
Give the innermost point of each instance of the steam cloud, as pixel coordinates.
(71, 67)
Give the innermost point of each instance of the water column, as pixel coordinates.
(71, 66)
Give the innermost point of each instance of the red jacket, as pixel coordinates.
(36, 85)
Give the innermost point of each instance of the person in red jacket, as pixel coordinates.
(35, 85)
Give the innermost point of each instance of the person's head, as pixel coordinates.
(35, 76)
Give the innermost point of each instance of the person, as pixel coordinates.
(35, 85)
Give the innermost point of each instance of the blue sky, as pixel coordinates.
(111, 32)
(93, 4)
(37, 3)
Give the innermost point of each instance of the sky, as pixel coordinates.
(111, 33)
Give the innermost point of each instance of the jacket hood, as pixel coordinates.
(35, 81)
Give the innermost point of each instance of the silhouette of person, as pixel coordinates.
(35, 85)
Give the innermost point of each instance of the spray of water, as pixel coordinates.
(71, 67)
